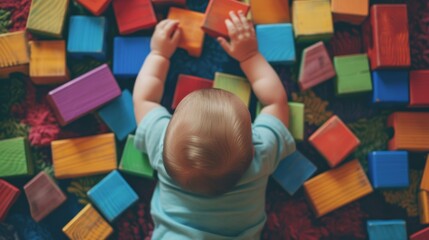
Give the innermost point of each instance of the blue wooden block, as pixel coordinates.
(119, 115)
(388, 169)
(87, 37)
(386, 229)
(293, 171)
(112, 195)
(276, 42)
(129, 54)
(390, 87)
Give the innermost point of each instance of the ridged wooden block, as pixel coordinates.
(8, 195)
(15, 158)
(88, 224)
(48, 62)
(350, 11)
(268, 12)
(276, 42)
(14, 53)
(419, 85)
(424, 185)
(386, 229)
(296, 120)
(83, 94)
(411, 131)
(134, 15)
(47, 17)
(421, 235)
(135, 162)
(187, 84)
(337, 187)
(84, 156)
(424, 207)
(43, 196)
(234, 84)
(96, 7)
(129, 54)
(353, 74)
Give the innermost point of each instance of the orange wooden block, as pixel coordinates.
(334, 141)
(424, 207)
(84, 156)
(96, 7)
(337, 187)
(190, 23)
(351, 11)
(48, 62)
(424, 184)
(268, 12)
(411, 131)
(14, 53)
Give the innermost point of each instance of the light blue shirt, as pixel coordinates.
(238, 214)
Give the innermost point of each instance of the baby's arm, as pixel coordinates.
(149, 85)
(264, 80)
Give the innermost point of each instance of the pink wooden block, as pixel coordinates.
(84, 94)
(421, 235)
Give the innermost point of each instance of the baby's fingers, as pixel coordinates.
(232, 30)
(170, 27)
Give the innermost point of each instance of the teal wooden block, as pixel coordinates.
(353, 74)
(112, 195)
(135, 162)
(296, 120)
(15, 158)
(276, 42)
(386, 229)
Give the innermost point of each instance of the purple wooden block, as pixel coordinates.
(83, 94)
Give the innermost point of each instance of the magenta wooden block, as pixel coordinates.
(8, 195)
(83, 94)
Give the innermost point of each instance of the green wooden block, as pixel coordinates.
(296, 120)
(234, 84)
(353, 74)
(47, 17)
(135, 162)
(15, 158)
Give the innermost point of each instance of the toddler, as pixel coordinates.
(213, 164)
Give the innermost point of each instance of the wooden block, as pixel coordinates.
(88, 224)
(389, 45)
(424, 207)
(234, 84)
(337, 187)
(312, 20)
(275, 42)
(293, 171)
(268, 12)
(353, 74)
(112, 195)
(296, 120)
(87, 37)
(15, 158)
(47, 17)
(129, 54)
(411, 131)
(316, 66)
(135, 162)
(249, 14)
(216, 13)
(83, 94)
(419, 85)
(168, 3)
(192, 36)
(388, 169)
(119, 115)
(43, 196)
(8, 195)
(424, 185)
(187, 84)
(14, 53)
(134, 15)
(84, 156)
(96, 7)
(421, 235)
(386, 229)
(350, 11)
(390, 87)
(334, 133)
(48, 62)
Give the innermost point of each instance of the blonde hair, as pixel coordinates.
(208, 143)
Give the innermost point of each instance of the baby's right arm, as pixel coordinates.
(264, 80)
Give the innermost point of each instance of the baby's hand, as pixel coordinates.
(165, 38)
(243, 44)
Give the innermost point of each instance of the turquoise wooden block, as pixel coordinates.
(135, 162)
(129, 54)
(386, 230)
(353, 74)
(119, 115)
(87, 37)
(112, 195)
(276, 42)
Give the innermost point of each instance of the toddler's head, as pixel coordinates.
(208, 143)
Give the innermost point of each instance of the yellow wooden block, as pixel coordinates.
(87, 225)
(337, 187)
(48, 62)
(47, 17)
(424, 207)
(14, 54)
(312, 20)
(270, 12)
(424, 185)
(234, 84)
(84, 156)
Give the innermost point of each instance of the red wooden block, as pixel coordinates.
(134, 15)
(187, 84)
(8, 195)
(216, 13)
(421, 235)
(419, 87)
(96, 7)
(388, 45)
(334, 141)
